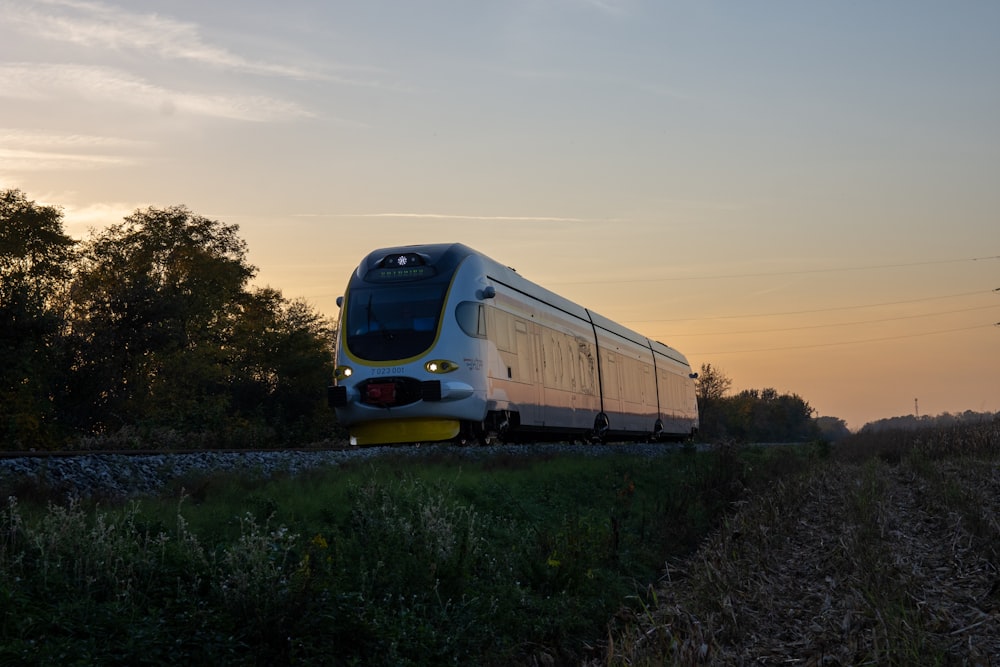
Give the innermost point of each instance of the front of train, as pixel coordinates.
(411, 346)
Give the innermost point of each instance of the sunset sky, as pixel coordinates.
(802, 194)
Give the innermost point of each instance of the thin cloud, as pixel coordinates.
(36, 151)
(101, 84)
(12, 137)
(21, 160)
(98, 25)
(446, 216)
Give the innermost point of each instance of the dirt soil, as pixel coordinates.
(850, 565)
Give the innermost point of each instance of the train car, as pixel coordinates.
(439, 342)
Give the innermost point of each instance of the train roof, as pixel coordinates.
(447, 256)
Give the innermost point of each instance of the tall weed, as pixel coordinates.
(398, 563)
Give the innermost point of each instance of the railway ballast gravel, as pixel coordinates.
(132, 475)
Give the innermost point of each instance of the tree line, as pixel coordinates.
(150, 330)
(758, 415)
(916, 422)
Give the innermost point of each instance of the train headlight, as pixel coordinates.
(343, 372)
(441, 366)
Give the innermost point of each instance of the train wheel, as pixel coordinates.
(657, 431)
(474, 433)
(469, 435)
(496, 426)
(601, 426)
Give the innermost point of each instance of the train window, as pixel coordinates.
(502, 329)
(471, 318)
(393, 322)
(611, 380)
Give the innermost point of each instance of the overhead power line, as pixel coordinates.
(837, 324)
(770, 273)
(813, 310)
(844, 342)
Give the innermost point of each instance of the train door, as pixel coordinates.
(531, 404)
(514, 378)
(612, 387)
(524, 354)
(649, 397)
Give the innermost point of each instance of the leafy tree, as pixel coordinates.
(151, 324)
(34, 250)
(765, 416)
(35, 262)
(170, 336)
(752, 415)
(153, 303)
(832, 429)
(282, 363)
(912, 422)
(712, 383)
(711, 386)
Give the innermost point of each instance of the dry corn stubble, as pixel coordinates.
(850, 564)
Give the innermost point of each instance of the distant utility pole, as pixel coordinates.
(916, 408)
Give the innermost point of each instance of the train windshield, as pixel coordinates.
(393, 322)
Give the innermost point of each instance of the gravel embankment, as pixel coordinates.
(127, 475)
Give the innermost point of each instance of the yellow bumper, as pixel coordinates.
(390, 431)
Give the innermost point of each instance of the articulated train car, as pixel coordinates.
(440, 342)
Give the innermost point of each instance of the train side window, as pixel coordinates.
(471, 318)
(611, 381)
(500, 325)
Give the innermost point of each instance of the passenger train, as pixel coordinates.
(441, 343)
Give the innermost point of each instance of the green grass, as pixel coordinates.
(396, 561)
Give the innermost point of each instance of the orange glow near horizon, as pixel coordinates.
(819, 220)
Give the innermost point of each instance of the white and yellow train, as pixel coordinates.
(440, 342)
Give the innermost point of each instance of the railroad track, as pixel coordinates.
(132, 473)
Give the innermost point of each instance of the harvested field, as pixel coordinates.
(854, 563)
